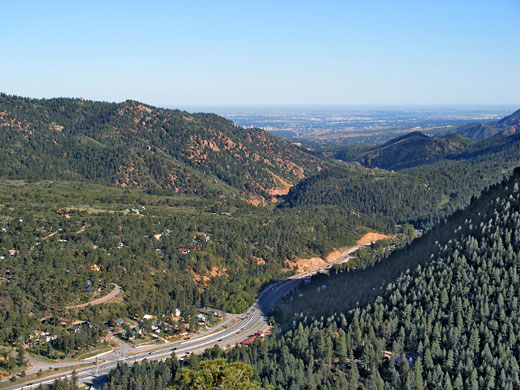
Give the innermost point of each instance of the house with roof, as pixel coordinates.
(249, 340)
(411, 358)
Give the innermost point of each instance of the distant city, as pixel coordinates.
(344, 125)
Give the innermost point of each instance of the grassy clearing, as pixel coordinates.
(94, 352)
(81, 356)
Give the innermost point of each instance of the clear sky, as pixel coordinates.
(263, 52)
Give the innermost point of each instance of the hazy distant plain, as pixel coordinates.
(355, 124)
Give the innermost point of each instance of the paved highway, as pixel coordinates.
(252, 321)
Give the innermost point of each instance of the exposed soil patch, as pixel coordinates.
(215, 272)
(372, 237)
(259, 260)
(255, 201)
(304, 265)
(196, 277)
(283, 190)
(333, 256)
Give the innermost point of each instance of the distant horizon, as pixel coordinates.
(340, 105)
(259, 109)
(280, 105)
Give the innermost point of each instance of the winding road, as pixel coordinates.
(114, 293)
(252, 321)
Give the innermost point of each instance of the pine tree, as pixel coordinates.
(353, 376)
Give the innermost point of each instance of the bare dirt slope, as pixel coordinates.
(313, 263)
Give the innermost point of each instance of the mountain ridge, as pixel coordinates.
(137, 145)
(412, 149)
(417, 149)
(510, 124)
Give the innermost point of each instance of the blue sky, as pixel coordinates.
(263, 52)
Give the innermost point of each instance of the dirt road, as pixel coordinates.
(115, 292)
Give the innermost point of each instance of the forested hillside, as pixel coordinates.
(479, 131)
(416, 150)
(401, 197)
(136, 145)
(165, 251)
(451, 321)
(420, 194)
(407, 151)
(161, 203)
(473, 141)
